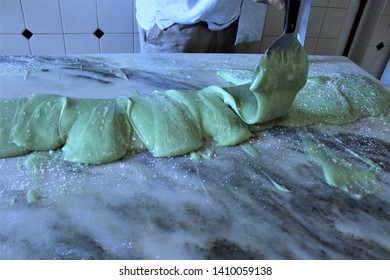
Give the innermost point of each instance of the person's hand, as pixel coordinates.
(280, 4)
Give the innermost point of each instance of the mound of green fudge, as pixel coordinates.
(172, 122)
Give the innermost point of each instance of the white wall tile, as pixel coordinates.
(117, 43)
(369, 58)
(115, 16)
(13, 44)
(349, 20)
(386, 11)
(339, 3)
(386, 40)
(81, 44)
(380, 61)
(319, 3)
(274, 23)
(310, 45)
(380, 30)
(136, 44)
(43, 44)
(135, 23)
(333, 23)
(11, 17)
(357, 53)
(42, 16)
(368, 24)
(374, 28)
(381, 7)
(316, 18)
(326, 47)
(79, 16)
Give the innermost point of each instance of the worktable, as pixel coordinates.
(231, 204)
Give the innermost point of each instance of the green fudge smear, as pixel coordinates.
(167, 123)
(36, 123)
(97, 131)
(358, 178)
(171, 123)
(164, 126)
(338, 100)
(276, 82)
(8, 109)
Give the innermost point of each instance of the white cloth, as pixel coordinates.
(217, 13)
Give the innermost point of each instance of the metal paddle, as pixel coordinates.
(290, 22)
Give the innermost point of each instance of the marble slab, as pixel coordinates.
(270, 203)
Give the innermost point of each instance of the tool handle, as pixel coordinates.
(291, 15)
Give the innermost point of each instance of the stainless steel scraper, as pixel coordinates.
(290, 21)
(303, 21)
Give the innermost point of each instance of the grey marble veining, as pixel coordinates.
(272, 204)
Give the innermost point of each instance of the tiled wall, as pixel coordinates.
(329, 24)
(371, 49)
(67, 26)
(109, 26)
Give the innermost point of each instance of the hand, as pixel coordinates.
(280, 4)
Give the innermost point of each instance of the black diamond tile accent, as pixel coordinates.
(380, 46)
(98, 33)
(27, 33)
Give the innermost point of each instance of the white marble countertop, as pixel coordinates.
(276, 205)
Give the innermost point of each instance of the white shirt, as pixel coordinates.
(217, 13)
